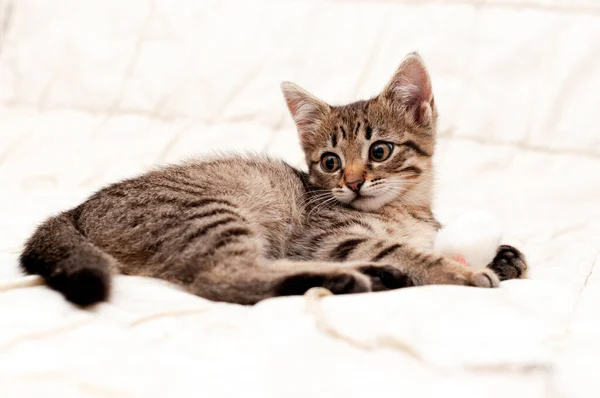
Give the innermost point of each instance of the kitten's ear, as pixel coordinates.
(306, 109)
(410, 89)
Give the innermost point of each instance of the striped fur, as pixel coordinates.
(242, 229)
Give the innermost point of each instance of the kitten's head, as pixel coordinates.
(371, 153)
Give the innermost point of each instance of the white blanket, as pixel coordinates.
(98, 90)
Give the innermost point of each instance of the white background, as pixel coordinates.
(94, 91)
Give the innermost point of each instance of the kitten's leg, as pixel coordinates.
(233, 272)
(418, 267)
(509, 263)
(339, 278)
(423, 268)
(247, 282)
(219, 258)
(227, 264)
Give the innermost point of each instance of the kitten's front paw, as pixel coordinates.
(338, 282)
(450, 272)
(509, 263)
(484, 278)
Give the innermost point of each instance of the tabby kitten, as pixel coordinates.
(242, 229)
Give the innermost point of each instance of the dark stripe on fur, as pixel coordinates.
(189, 184)
(315, 240)
(386, 252)
(204, 230)
(368, 132)
(318, 238)
(350, 223)
(343, 132)
(344, 249)
(415, 147)
(162, 199)
(117, 193)
(204, 202)
(180, 189)
(428, 220)
(333, 140)
(210, 214)
(411, 169)
(179, 202)
(357, 129)
(436, 263)
(236, 253)
(230, 235)
(180, 185)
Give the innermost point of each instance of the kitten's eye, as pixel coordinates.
(380, 151)
(330, 162)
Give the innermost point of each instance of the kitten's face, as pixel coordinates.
(370, 153)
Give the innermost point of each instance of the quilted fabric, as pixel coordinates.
(94, 91)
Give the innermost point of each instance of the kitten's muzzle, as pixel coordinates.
(355, 185)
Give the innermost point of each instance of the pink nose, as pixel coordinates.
(355, 184)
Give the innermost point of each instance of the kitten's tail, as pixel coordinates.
(68, 262)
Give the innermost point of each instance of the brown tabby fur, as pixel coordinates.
(245, 228)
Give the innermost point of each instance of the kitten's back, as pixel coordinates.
(138, 225)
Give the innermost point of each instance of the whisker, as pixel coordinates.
(316, 198)
(318, 207)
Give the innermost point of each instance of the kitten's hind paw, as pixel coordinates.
(340, 282)
(385, 277)
(509, 263)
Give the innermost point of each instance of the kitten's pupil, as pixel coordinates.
(378, 152)
(330, 163)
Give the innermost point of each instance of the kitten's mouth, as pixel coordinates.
(361, 198)
(362, 201)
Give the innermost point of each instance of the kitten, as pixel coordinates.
(242, 229)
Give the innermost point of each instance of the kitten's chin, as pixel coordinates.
(369, 203)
